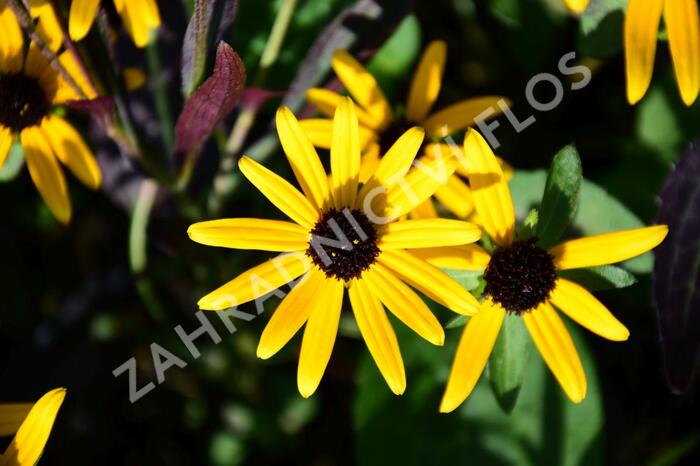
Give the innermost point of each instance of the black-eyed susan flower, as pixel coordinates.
(521, 279)
(379, 126)
(641, 34)
(140, 17)
(29, 89)
(31, 425)
(341, 238)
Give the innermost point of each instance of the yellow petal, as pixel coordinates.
(82, 14)
(251, 233)
(607, 248)
(404, 303)
(419, 185)
(320, 132)
(48, 28)
(319, 337)
(369, 162)
(363, 87)
(425, 210)
(427, 80)
(7, 138)
(327, 101)
(430, 280)
(65, 90)
(46, 173)
(303, 158)
(683, 26)
(28, 444)
(467, 257)
(461, 115)
(378, 335)
(72, 151)
(291, 314)
(139, 18)
(489, 190)
(282, 194)
(134, 78)
(256, 282)
(557, 349)
(641, 30)
(576, 302)
(473, 352)
(345, 155)
(456, 197)
(394, 165)
(576, 6)
(430, 233)
(11, 417)
(12, 43)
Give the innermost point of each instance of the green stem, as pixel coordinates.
(138, 258)
(275, 40)
(161, 96)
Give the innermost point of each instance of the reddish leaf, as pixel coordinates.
(676, 277)
(212, 101)
(100, 108)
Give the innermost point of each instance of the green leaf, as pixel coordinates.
(469, 279)
(602, 278)
(544, 427)
(561, 194)
(458, 321)
(529, 228)
(508, 361)
(13, 163)
(600, 33)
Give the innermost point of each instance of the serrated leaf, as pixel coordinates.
(13, 163)
(606, 277)
(508, 361)
(676, 274)
(212, 101)
(561, 195)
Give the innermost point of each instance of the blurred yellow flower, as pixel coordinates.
(521, 279)
(641, 34)
(140, 17)
(28, 90)
(367, 255)
(379, 127)
(577, 6)
(32, 424)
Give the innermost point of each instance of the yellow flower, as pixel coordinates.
(32, 424)
(369, 257)
(521, 279)
(140, 17)
(641, 31)
(379, 127)
(577, 6)
(28, 91)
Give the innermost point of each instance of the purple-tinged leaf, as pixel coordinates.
(100, 108)
(676, 276)
(209, 15)
(212, 101)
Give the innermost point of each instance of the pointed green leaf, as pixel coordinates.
(508, 360)
(13, 163)
(560, 199)
(606, 277)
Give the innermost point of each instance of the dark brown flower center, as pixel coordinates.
(343, 243)
(23, 102)
(520, 277)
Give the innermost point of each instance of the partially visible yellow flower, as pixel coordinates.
(29, 88)
(379, 127)
(339, 238)
(521, 279)
(577, 6)
(641, 34)
(140, 17)
(31, 425)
